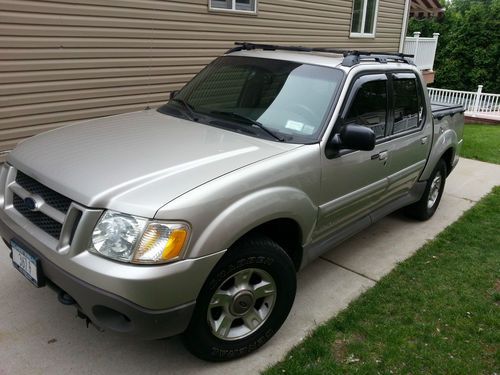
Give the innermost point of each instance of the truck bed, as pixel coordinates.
(439, 110)
(448, 121)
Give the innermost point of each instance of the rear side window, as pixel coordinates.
(408, 103)
(369, 107)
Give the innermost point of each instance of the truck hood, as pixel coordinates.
(136, 162)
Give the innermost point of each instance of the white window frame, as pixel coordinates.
(362, 34)
(233, 8)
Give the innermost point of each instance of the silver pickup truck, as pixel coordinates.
(194, 217)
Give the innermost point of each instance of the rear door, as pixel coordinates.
(409, 135)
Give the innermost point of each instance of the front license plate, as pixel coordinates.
(27, 263)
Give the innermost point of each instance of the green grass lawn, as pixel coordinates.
(436, 313)
(482, 142)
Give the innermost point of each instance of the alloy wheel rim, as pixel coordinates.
(241, 304)
(434, 190)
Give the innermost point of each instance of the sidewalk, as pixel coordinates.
(38, 335)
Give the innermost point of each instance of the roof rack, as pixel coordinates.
(351, 57)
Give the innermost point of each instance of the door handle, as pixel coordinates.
(382, 155)
(424, 140)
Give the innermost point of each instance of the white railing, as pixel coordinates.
(424, 49)
(476, 104)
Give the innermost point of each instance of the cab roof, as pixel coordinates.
(314, 58)
(318, 56)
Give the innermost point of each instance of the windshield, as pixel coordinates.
(288, 99)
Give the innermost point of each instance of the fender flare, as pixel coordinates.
(253, 210)
(445, 141)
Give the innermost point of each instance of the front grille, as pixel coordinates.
(39, 219)
(52, 198)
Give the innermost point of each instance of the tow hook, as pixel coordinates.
(81, 315)
(65, 298)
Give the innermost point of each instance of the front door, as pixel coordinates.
(354, 182)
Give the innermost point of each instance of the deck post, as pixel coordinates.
(433, 57)
(416, 35)
(477, 101)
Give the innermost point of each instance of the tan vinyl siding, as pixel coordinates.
(66, 60)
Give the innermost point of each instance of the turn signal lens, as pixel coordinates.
(161, 243)
(175, 244)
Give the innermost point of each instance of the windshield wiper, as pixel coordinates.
(190, 109)
(248, 121)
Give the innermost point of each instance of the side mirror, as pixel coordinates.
(173, 94)
(354, 137)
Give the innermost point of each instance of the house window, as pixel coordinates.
(364, 18)
(234, 5)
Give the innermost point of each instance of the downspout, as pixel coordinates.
(404, 26)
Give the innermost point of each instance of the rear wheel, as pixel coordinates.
(428, 204)
(244, 301)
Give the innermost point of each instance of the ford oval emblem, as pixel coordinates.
(30, 203)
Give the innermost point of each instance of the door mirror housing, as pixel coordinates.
(354, 137)
(173, 94)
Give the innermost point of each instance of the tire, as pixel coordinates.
(253, 286)
(425, 208)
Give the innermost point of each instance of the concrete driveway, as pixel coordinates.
(38, 335)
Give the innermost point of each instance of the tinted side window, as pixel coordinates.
(369, 107)
(408, 105)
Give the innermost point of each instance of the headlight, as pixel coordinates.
(116, 234)
(131, 239)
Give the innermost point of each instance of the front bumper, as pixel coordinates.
(110, 311)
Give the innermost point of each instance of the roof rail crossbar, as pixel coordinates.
(351, 57)
(266, 47)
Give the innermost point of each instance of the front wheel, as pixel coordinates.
(428, 204)
(244, 301)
